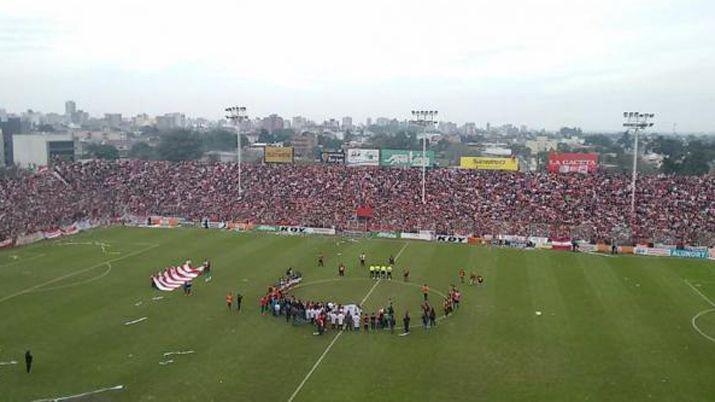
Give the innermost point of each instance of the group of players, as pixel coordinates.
(328, 315)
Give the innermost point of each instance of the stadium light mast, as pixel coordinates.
(424, 118)
(636, 121)
(237, 114)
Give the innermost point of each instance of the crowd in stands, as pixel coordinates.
(669, 209)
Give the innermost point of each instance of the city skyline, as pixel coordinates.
(552, 64)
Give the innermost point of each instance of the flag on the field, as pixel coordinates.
(175, 277)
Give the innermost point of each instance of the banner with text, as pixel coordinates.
(653, 251)
(333, 157)
(699, 254)
(363, 157)
(416, 236)
(484, 163)
(402, 158)
(573, 162)
(451, 239)
(305, 230)
(278, 154)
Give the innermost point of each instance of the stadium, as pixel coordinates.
(321, 201)
(577, 299)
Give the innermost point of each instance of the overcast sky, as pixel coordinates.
(543, 63)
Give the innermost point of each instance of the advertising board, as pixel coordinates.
(484, 163)
(363, 157)
(278, 154)
(573, 162)
(403, 158)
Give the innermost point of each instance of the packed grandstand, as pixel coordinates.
(593, 207)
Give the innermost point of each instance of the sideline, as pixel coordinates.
(64, 398)
(693, 321)
(330, 346)
(71, 274)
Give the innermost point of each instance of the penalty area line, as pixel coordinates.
(71, 274)
(330, 346)
(64, 398)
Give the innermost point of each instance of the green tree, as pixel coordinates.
(142, 150)
(179, 145)
(101, 151)
(220, 140)
(328, 142)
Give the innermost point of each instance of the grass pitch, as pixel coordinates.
(611, 328)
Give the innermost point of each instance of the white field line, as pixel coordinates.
(10, 363)
(695, 325)
(64, 398)
(135, 321)
(710, 302)
(70, 285)
(184, 352)
(401, 250)
(325, 352)
(693, 321)
(71, 274)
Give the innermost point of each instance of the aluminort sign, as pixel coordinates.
(402, 158)
(278, 154)
(700, 254)
(573, 162)
(363, 157)
(483, 163)
(451, 239)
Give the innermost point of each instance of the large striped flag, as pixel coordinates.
(175, 277)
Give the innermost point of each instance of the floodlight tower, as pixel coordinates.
(424, 118)
(237, 114)
(636, 121)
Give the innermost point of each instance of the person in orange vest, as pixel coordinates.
(425, 290)
(229, 300)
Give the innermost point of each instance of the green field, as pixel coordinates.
(612, 328)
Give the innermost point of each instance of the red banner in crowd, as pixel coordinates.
(572, 162)
(364, 212)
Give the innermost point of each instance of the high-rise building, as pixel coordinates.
(368, 122)
(272, 123)
(347, 123)
(170, 121)
(298, 122)
(70, 109)
(12, 126)
(114, 120)
(303, 144)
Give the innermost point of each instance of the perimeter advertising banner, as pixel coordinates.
(363, 157)
(484, 163)
(403, 158)
(337, 157)
(573, 162)
(278, 155)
